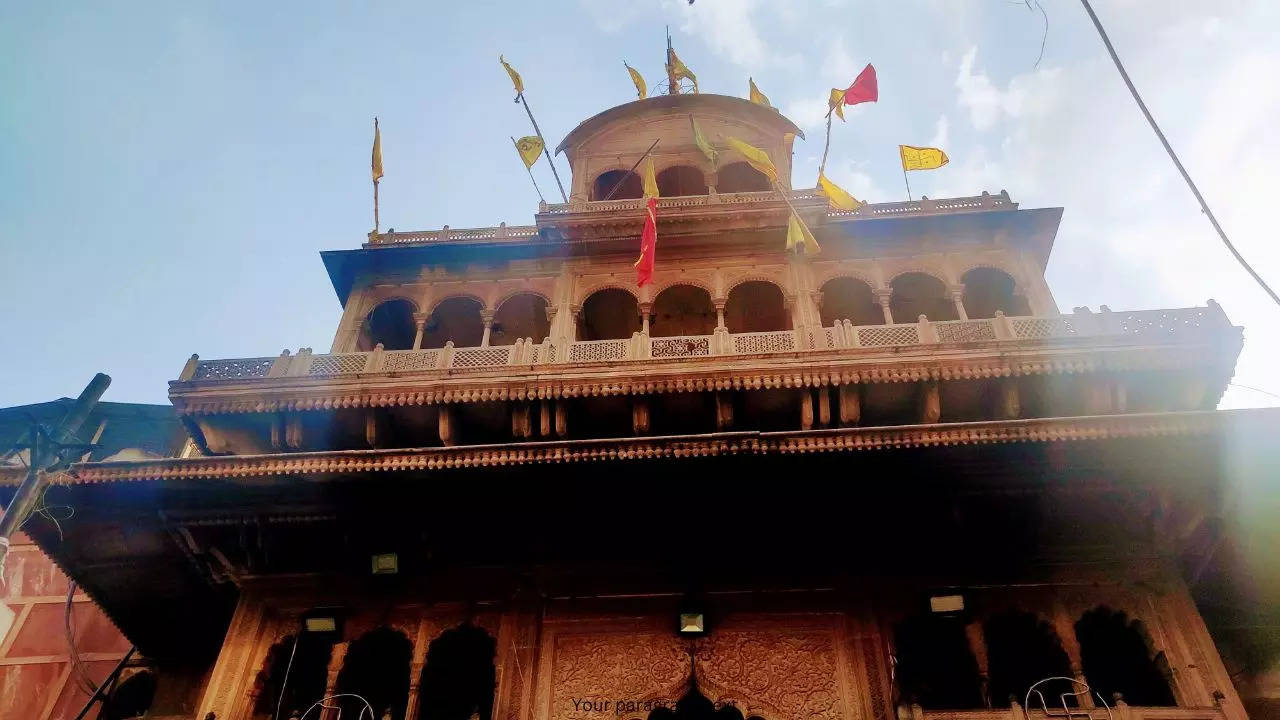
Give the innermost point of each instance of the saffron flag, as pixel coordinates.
(915, 158)
(650, 180)
(836, 103)
(376, 165)
(642, 90)
(515, 76)
(798, 234)
(836, 195)
(756, 158)
(757, 97)
(679, 70)
(529, 147)
(864, 87)
(648, 243)
(701, 141)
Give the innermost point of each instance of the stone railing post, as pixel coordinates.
(721, 342)
(1003, 327)
(1107, 323)
(851, 334)
(280, 366)
(301, 363)
(927, 205)
(419, 325)
(837, 334)
(446, 355)
(189, 369)
(883, 296)
(928, 334)
(373, 362)
(486, 317)
(544, 351)
(515, 354)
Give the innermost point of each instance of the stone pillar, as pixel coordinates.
(882, 297)
(639, 414)
(562, 425)
(720, 314)
(978, 646)
(850, 399)
(544, 419)
(824, 407)
(646, 310)
(724, 410)
(957, 298)
(520, 426)
(1010, 404)
(448, 433)
(1065, 628)
(371, 427)
(419, 324)
(806, 409)
(930, 402)
(336, 659)
(486, 317)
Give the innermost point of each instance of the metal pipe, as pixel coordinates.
(119, 666)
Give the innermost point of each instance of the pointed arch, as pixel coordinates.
(376, 668)
(630, 189)
(683, 309)
(850, 298)
(1022, 650)
(455, 318)
(390, 323)
(756, 306)
(459, 677)
(1117, 657)
(916, 293)
(988, 289)
(520, 315)
(678, 180)
(608, 313)
(306, 679)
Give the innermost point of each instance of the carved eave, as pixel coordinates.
(336, 464)
(1213, 359)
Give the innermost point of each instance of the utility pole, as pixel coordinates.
(48, 448)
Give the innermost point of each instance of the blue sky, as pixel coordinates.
(169, 171)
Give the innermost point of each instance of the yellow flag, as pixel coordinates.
(650, 180)
(836, 102)
(757, 97)
(529, 147)
(698, 139)
(642, 91)
(377, 152)
(756, 157)
(798, 234)
(680, 70)
(836, 194)
(515, 76)
(915, 158)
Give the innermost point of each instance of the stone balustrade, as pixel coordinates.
(519, 233)
(1143, 326)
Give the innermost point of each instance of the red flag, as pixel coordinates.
(648, 244)
(864, 88)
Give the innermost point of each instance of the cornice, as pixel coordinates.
(753, 372)
(346, 462)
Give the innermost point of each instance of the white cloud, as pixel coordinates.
(729, 27)
(941, 133)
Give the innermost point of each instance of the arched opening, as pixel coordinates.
(740, 177)
(1021, 651)
(630, 188)
(457, 319)
(935, 666)
(131, 698)
(609, 314)
(390, 323)
(916, 294)
(1116, 657)
(459, 679)
(520, 316)
(377, 669)
(756, 306)
(683, 310)
(987, 290)
(695, 706)
(846, 298)
(307, 677)
(681, 180)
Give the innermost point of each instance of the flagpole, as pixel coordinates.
(545, 151)
(375, 184)
(908, 182)
(826, 147)
(529, 169)
(673, 85)
(633, 169)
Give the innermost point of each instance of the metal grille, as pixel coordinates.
(233, 369)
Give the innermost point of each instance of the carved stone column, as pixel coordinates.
(562, 423)
(720, 314)
(357, 332)
(544, 419)
(724, 410)
(1010, 403)
(882, 298)
(1064, 626)
(806, 409)
(336, 658)
(978, 646)
(419, 324)
(372, 427)
(646, 310)
(957, 298)
(850, 398)
(930, 402)
(639, 414)
(448, 433)
(520, 426)
(486, 317)
(824, 407)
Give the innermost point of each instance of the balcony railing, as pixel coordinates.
(520, 233)
(1153, 326)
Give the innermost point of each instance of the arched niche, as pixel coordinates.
(132, 698)
(523, 315)
(307, 677)
(740, 177)
(376, 668)
(846, 298)
(1117, 657)
(936, 667)
(683, 310)
(681, 180)
(390, 323)
(987, 290)
(756, 306)
(915, 294)
(609, 314)
(459, 678)
(457, 319)
(1022, 650)
(632, 187)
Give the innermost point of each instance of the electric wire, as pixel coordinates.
(285, 682)
(81, 673)
(1204, 206)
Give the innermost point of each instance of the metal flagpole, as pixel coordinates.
(545, 151)
(827, 146)
(632, 170)
(375, 180)
(529, 170)
(908, 182)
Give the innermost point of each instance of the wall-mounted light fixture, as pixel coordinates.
(946, 603)
(692, 623)
(386, 564)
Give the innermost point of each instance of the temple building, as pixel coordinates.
(892, 480)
